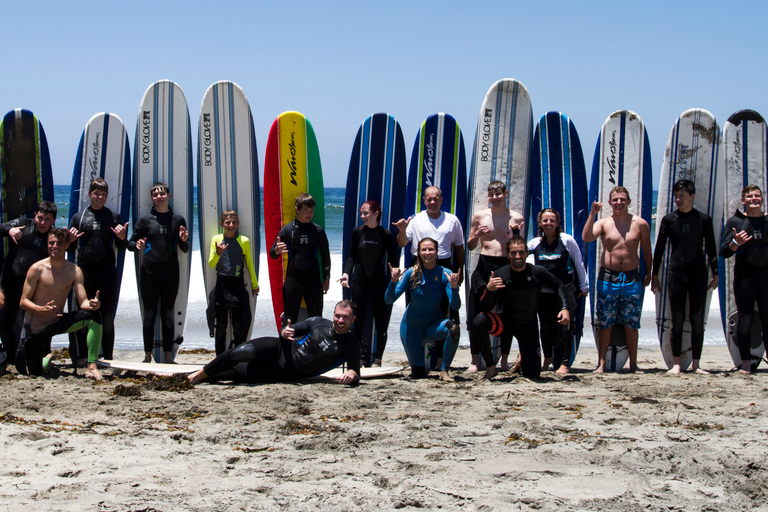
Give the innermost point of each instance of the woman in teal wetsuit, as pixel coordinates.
(423, 318)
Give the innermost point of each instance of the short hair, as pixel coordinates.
(100, 185)
(558, 229)
(229, 213)
(304, 199)
(60, 234)
(684, 184)
(439, 192)
(618, 189)
(375, 208)
(47, 207)
(497, 185)
(516, 239)
(750, 188)
(346, 303)
(159, 186)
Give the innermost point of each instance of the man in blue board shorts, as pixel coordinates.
(746, 237)
(619, 286)
(30, 239)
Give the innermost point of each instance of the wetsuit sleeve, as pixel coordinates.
(325, 253)
(117, 220)
(453, 293)
(487, 299)
(725, 246)
(213, 256)
(393, 250)
(349, 265)
(73, 224)
(246, 246)
(5, 227)
(304, 327)
(184, 246)
(353, 353)
(709, 243)
(578, 262)
(283, 235)
(395, 290)
(139, 232)
(661, 245)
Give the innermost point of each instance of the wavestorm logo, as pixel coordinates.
(611, 160)
(207, 153)
(146, 136)
(430, 162)
(93, 161)
(485, 139)
(292, 159)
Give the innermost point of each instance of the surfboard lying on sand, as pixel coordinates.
(228, 177)
(376, 172)
(292, 166)
(745, 145)
(173, 369)
(501, 153)
(163, 153)
(559, 180)
(693, 152)
(622, 157)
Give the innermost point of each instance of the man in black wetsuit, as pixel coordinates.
(97, 232)
(746, 236)
(516, 289)
(309, 348)
(687, 229)
(30, 245)
(307, 248)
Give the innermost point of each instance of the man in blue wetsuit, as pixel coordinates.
(307, 349)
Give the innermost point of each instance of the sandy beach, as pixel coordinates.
(579, 442)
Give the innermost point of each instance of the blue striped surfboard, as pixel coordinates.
(502, 152)
(622, 157)
(26, 177)
(745, 140)
(227, 176)
(104, 152)
(693, 153)
(376, 172)
(163, 153)
(559, 181)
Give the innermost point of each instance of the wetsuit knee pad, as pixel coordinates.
(243, 353)
(454, 330)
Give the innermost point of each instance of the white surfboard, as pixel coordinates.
(745, 145)
(622, 157)
(228, 176)
(163, 153)
(501, 152)
(693, 152)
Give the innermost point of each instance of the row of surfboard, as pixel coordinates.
(542, 168)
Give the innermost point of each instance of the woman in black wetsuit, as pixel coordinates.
(367, 273)
(159, 235)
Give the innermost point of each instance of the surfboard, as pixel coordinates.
(693, 153)
(228, 177)
(745, 147)
(559, 180)
(501, 152)
(26, 177)
(163, 153)
(292, 166)
(104, 152)
(376, 172)
(622, 157)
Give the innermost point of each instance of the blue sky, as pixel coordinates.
(338, 62)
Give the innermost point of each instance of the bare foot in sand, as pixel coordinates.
(490, 373)
(700, 371)
(675, 370)
(636, 370)
(197, 377)
(547, 362)
(147, 357)
(93, 372)
(563, 370)
(599, 369)
(472, 368)
(445, 377)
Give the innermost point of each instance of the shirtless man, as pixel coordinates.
(619, 288)
(46, 287)
(491, 228)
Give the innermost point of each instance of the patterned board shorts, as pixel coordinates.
(619, 298)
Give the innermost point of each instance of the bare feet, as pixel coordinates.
(547, 362)
(636, 370)
(675, 370)
(147, 357)
(197, 377)
(504, 366)
(599, 369)
(445, 377)
(563, 370)
(472, 368)
(168, 357)
(376, 363)
(490, 373)
(700, 371)
(93, 372)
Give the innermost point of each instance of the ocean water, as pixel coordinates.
(128, 318)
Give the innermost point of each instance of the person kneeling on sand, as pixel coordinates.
(307, 349)
(46, 287)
